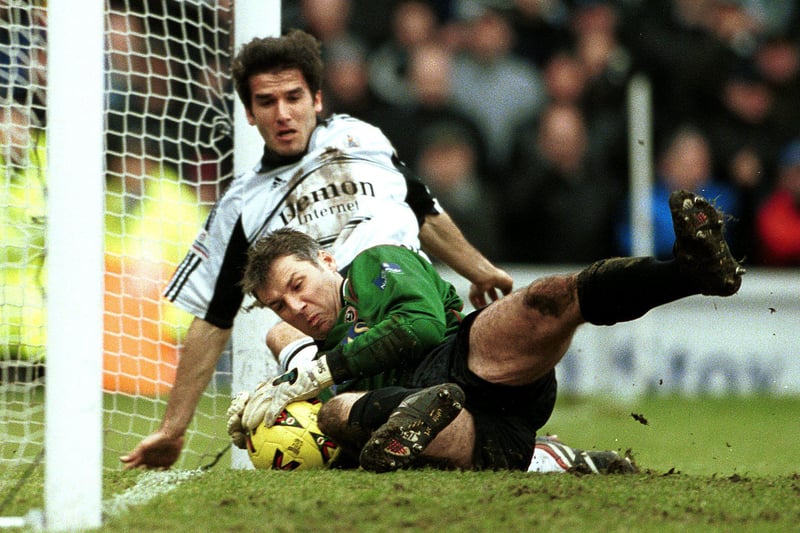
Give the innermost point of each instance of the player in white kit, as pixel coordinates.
(338, 180)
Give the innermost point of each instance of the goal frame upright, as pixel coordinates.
(73, 392)
(250, 357)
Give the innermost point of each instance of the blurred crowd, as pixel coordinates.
(515, 112)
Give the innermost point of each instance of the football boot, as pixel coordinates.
(700, 247)
(585, 461)
(411, 427)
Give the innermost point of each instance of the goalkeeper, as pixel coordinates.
(468, 392)
(338, 179)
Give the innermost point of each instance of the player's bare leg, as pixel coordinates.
(333, 420)
(453, 447)
(521, 337)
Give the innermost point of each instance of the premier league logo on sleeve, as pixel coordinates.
(386, 268)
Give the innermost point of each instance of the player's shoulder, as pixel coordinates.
(348, 132)
(344, 121)
(382, 254)
(252, 179)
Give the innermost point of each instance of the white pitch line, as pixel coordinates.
(152, 483)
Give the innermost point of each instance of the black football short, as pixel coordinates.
(506, 417)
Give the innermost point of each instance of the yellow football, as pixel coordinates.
(294, 442)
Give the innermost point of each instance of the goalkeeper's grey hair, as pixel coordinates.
(266, 250)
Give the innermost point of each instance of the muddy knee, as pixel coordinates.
(333, 420)
(551, 296)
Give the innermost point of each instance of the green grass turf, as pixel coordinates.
(708, 464)
(701, 435)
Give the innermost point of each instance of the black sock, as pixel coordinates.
(373, 409)
(625, 288)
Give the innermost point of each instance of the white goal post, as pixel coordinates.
(251, 360)
(110, 186)
(73, 407)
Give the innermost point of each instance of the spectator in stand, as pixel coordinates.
(685, 163)
(430, 71)
(778, 62)
(565, 84)
(346, 83)
(497, 88)
(126, 68)
(607, 66)
(199, 114)
(736, 26)
(23, 54)
(157, 86)
(672, 43)
(448, 163)
(775, 17)
(747, 114)
(778, 218)
(327, 20)
(542, 29)
(173, 89)
(347, 91)
(414, 23)
(560, 207)
(746, 138)
(565, 78)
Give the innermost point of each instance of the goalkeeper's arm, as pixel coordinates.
(308, 380)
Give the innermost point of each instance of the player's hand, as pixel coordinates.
(235, 411)
(270, 398)
(158, 450)
(489, 284)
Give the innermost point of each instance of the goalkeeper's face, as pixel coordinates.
(284, 110)
(305, 295)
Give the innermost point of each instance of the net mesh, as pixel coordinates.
(22, 228)
(168, 108)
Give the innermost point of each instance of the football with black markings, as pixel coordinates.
(294, 442)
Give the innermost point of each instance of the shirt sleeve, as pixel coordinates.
(400, 300)
(206, 283)
(419, 197)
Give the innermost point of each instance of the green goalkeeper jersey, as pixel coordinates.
(396, 308)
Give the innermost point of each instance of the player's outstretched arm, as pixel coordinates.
(201, 350)
(442, 238)
(157, 450)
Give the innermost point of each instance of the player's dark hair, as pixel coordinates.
(277, 244)
(296, 49)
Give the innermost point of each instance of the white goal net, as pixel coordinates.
(169, 153)
(22, 230)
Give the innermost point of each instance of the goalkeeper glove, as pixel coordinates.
(235, 428)
(299, 383)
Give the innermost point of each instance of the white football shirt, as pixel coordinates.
(349, 191)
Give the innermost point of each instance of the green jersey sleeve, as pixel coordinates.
(396, 308)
